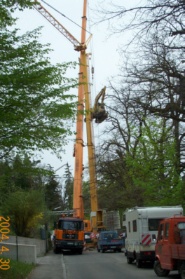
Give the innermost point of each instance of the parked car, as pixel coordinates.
(109, 240)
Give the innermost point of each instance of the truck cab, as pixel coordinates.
(170, 247)
(69, 235)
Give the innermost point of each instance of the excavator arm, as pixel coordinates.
(101, 95)
(98, 112)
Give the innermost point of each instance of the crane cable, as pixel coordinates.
(65, 16)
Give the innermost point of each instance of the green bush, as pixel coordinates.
(17, 270)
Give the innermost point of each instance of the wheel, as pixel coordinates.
(102, 250)
(182, 271)
(138, 263)
(56, 250)
(80, 251)
(160, 271)
(129, 260)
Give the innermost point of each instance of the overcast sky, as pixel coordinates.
(104, 49)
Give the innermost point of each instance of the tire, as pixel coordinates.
(56, 250)
(182, 271)
(138, 263)
(80, 251)
(129, 260)
(102, 250)
(160, 271)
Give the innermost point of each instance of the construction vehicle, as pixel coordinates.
(68, 235)
(84, 108)
(141, 231)
(98, 112)
(170, 247)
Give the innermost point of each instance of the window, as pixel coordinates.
(181, 226)
(153, 224)
(111, 235)
(161, 232)
(166, 231)
(129, 226)
(134, 225)
(70, 225)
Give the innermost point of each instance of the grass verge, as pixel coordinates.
(17, 270)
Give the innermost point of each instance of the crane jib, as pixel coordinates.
(57, 24)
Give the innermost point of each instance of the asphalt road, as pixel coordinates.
(91, 265)
(50, 266)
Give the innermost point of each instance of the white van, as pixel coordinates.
(141, 231)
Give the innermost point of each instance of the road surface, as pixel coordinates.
(91, 265)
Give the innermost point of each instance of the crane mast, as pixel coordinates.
(83, 98)
(79, 144)
(91, 160)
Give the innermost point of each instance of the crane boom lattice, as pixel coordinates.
(59, 26)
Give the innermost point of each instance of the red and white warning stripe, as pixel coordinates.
(92, 235)
(146, 239)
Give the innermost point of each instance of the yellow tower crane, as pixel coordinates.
(97, 112)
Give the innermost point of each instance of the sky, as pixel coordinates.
(103, 47)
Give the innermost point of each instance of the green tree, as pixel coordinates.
(6, 185)
(25, 210)
(68, 189)
(53, 194)
(116, 189)
(24, 174)
(9, 6)
(151, 165)
(36, 106)
(142, 152)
